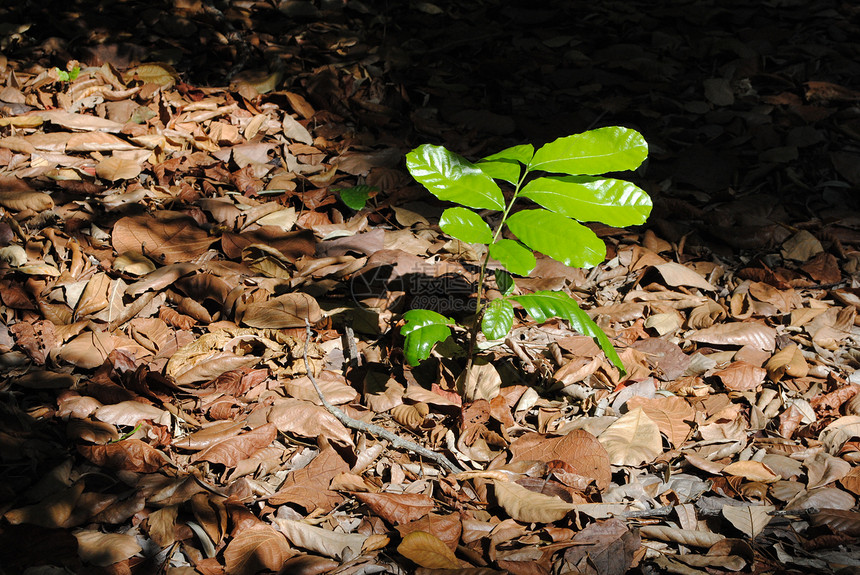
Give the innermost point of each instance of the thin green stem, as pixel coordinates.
(479, 304)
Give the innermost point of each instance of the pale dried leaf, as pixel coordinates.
(632, 439)
(340, 546)
(528, 506)
(428, 551)
(103, 549)
(687, 537)
(749, 519)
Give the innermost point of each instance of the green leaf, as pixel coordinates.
(613, 202)
(506, 170)
(498, 319)
(516, 258)
(612, 149)
(505, 282)
(466, 226)
(508, 164)
(423, 330)
(356, 197)
(522, 154)
(453, 178)
(543, 305)
(557, 236)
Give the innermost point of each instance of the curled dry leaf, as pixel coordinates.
(528, 506)
(751, 471)
(341, 546)
(130, 413)
(689, 537)
(428, 551)
(839, 521)
(91, 431)
(129, 455)
(679, 275)
(397, 508)
(257, 549)
(788, 361)
(308, 420)
(671, 414)
(823, 469)
(408, 415)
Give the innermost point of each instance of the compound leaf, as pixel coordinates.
(466, 226)
(557, 236)
(423, 330)
(516, 258)
(498, 319)
(613, 202)
(542, 305)
(611, 149)
(451, 177)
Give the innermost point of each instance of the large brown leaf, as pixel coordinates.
(258, 549)
(167, 239)
(285, 311)
(234, 449)
(579, 449)
(129, 455)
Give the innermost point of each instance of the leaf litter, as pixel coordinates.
(172, 215)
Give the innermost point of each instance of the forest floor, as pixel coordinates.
(170, 193)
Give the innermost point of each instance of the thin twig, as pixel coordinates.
(396, 441)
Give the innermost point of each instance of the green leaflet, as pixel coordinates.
(613, 202)
(423, 330)
(543, 305)
(559, 237)
(451, 177)
(498, 319)
(612, 149)
(466, 226)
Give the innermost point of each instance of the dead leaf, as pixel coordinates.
(257, 549)
(427, 551)
(103, 549)
(632, 439)
(530, 507)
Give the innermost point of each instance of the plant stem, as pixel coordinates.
(479, 305)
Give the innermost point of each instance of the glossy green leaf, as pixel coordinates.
(558, 236)
(504, 282)
(543, 305)
(611, 149)
(507, 170)
(423, 329)
(613, 202)
(498, 319)
(514, 256)
(466, 226)
(356, 197)
(453, 178)
(522, 154)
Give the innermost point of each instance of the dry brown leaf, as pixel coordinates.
(679, 275)
(91, 431)
(131, 413)
(18, 201)
(751, 471)
(447, 528)
(528, 506)
(129, 454)
(428, 551)
(579, 449)
(340, 546)
(839, 521)
(397, 508)
(749, 519)
(88, 350)
(308, 420)
(103, 549)
(286, 311)
(741, 376)
(209, 436)
(632, 439)
(788, 361)
(115, 168)
(52, 512)
(671, 414)
(692, 538)
(309, 486)
(257, 549)
(823, 469)
(162, 525)
(167, 239)
(230, 451)
(739, 333)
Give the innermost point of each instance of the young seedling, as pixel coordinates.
(559, 185)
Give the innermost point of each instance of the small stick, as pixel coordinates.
(397, 441)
